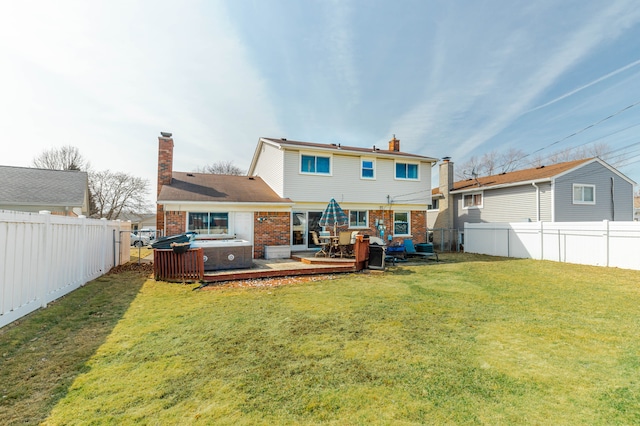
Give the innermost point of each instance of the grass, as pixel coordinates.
(138, 253)
(472, 340)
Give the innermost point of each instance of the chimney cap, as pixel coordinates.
(446, 159)
(166, 134)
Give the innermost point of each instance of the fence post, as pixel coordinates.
(103, 245)
(83, 253)
(541, 240)
(606, 242)
(559, 246)
(44, 255)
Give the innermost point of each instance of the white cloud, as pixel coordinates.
(480, 95)
(109, 76)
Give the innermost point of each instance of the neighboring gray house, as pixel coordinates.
(574, 191)
(62, 192)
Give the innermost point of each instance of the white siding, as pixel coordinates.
(345, 185)
(545, 202)
(513, 204)
(270, 167)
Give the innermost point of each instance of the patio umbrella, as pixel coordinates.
(333, 215)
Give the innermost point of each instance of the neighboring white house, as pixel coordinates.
(62, 192)
(288, 186)
(574, 191)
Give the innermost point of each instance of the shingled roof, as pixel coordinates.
(42, 187)
(344, 148)
(515, 177)
(199, 187)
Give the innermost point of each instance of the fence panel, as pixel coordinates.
(44, 256)
(590, 243)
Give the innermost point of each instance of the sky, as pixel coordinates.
(447, 78)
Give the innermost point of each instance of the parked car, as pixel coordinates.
(139, 240)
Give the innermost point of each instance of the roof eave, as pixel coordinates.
(503, 185)
(229, 203)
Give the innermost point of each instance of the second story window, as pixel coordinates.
(472, 200)
(315, 164)
(406, 171)
(368, 168)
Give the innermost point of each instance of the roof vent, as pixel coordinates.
(283, 139)
(165, 134)
(541, 167)
(190, 174)
(251, 178)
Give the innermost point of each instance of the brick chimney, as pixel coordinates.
(445, 184)
(394, 144)
(165, 170)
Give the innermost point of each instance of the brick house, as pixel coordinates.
(219, 206)
(385, 192)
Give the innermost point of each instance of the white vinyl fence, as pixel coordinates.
(605, 243)
(44, 256)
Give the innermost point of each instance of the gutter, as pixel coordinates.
(504, 185)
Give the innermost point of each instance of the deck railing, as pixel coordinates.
(169, 265)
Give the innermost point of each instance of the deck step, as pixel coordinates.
(279, 273)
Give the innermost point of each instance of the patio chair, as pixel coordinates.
(410, 251)
(344, 243)
(323, 244)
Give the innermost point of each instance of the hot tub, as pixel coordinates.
(225, 254)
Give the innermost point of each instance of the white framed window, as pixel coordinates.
(401, 221)
(408, 171)
(435, 204)
(315, 164)
(584, 194)
(358, 218)
(212, 223)
(367, 168)
(472, 201)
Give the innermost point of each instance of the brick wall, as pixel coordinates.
(419, 226)
(270, 229)
(176, 223)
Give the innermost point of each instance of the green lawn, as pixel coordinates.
(470, 340)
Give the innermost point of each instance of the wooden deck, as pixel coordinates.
(299, 264)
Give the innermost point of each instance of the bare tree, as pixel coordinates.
(599, 150)
(467, 169)
(491, 163)
(221, 168)
(64, 158)
(495, 162)
(115, 193)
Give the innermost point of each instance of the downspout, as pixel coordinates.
(613, 200)
(537, 201)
